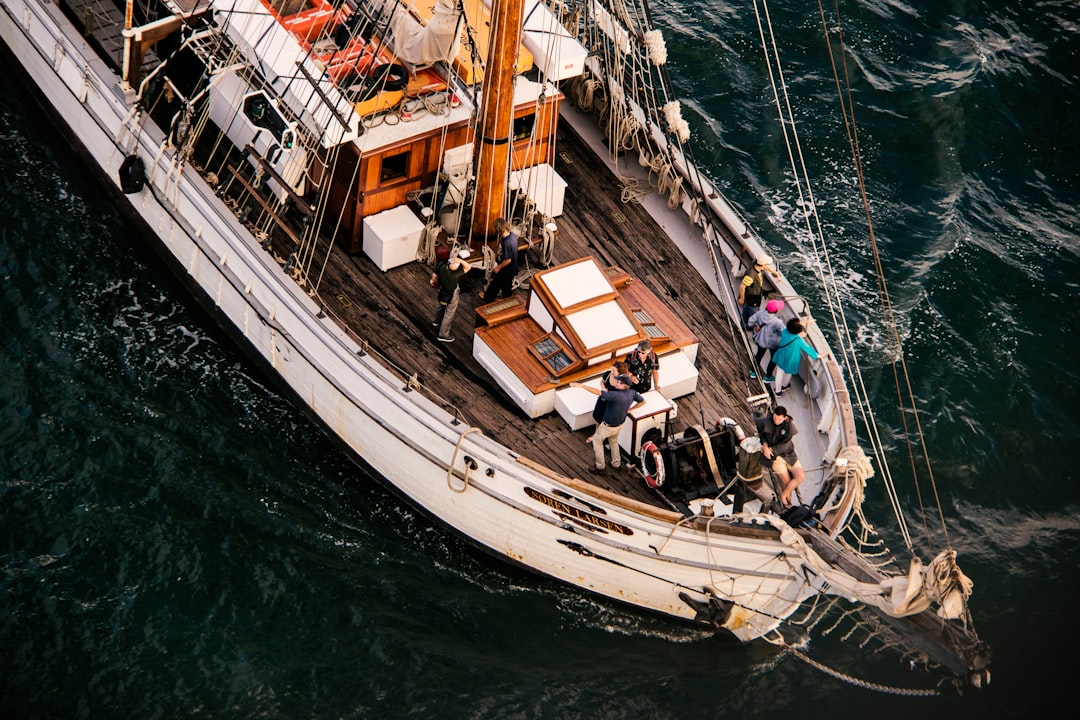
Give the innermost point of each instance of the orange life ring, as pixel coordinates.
(652, 464)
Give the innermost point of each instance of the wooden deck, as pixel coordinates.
(393, 312)
(102, 23)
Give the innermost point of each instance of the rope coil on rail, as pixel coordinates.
(470, 464)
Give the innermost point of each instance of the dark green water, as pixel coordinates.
(179, 540)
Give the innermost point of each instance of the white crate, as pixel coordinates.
(543, 185)
(575, 405)
(555, 51)
(677, 374)
(392, 237)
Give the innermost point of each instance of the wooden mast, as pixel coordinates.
(493, 142)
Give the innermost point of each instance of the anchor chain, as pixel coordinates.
(865, 684)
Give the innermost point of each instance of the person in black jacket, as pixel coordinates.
(776, 433)
(502, 277)
(644, 367)
(752, 286)
(446, 277)
(608, 382)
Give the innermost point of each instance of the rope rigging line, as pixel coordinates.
(322, 205)
(824, 268)
(850, 360)
(848, 110)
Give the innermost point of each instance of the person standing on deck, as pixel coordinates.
(767, 328)
(447, 276)
(644, 367)
(752, 287)
(502, 278)
(788, 354)
(608, 382)
(618, 404)
(776, 433)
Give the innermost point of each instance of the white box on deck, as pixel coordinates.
(541, 183)
(677, 374)
(575, 405)
(654, 414)
(554, 50)
(392, 237)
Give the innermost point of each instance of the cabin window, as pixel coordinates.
(648, 325)
(394, 167)
(523, 126)
(553, 352)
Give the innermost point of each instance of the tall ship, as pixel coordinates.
(439, 225)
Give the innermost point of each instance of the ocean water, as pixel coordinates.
(179, 539)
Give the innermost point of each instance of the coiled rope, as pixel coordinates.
(470, 465)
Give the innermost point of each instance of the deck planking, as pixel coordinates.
(392, 312)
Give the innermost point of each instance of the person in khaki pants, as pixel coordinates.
(778, 449)
(618, 404)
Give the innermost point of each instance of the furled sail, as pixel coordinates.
(421, 45)
(941, 582)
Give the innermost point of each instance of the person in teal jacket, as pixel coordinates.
(789, 354)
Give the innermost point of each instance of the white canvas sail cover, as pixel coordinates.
(558, 55)
(556, 52)
(421, 45)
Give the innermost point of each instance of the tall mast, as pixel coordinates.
(496, 115)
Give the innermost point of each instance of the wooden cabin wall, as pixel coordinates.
(540, 148)
(342, 194)
(369, 193)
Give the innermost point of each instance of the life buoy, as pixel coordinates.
(652, 464)
(388, 77)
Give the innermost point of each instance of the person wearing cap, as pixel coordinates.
(767, 328)
(448, 275)
(502, 277)
(752, 287)
(608, 381)
(778, 448)
(643, 367)
(618, 404)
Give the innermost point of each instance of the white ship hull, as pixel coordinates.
(397, 432)
(751, 569)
